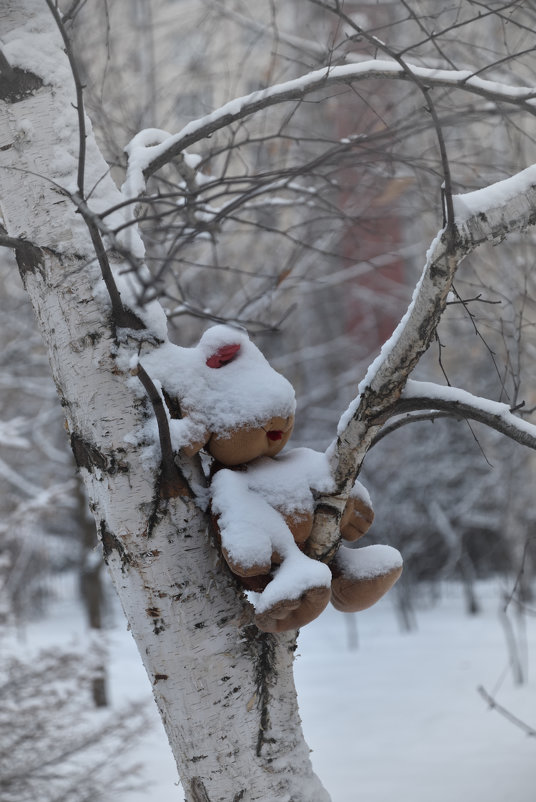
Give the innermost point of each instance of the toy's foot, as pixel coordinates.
(294, 613)
(362, 576)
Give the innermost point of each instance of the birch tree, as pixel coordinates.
(224, 690)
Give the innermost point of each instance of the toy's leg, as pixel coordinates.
(244, 523)
(294, 613)
(297, 594)
(362, 576)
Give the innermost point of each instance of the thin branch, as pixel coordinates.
(11, 242)
(172, 482)
(79, 95)
(123, 317)
(494, 705)
(412, 417)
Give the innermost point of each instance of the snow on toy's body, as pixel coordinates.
(236, 406)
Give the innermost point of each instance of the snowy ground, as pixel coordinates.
(397, 718)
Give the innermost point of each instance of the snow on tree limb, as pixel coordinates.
(428, 395)
(488, 214)
(156, 155)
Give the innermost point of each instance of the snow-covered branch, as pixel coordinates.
(485, 215)
(489, 214)
(155, 156)
(427, 395)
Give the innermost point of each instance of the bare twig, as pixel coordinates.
(494, 705)
(172, 482)
(79, 95)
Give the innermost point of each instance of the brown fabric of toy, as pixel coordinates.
(194, 448)
(300, 524)
(356, 519)
(254, 578)
(249, 442)
(251, 571)
(353, 595)
(294, 613)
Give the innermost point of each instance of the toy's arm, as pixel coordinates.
(246, 570)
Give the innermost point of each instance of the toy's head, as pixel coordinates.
(232, 401)
(249, 442)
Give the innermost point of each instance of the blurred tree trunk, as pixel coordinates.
(92, 590)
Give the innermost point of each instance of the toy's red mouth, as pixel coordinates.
(276, 434)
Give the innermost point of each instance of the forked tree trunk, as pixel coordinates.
(225, 691)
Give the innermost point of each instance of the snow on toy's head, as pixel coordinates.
(232, 400)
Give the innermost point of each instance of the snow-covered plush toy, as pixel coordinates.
(237, 407)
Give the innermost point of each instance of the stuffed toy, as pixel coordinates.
(237, 408)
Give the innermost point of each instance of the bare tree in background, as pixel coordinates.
(96, 262)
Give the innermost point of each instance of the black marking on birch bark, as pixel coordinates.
(158, 622)
(262, 648)
(29, 259)
(158, 626)
(87, 455)
(111, 543)
(159, 678)
(16, 84)
(158, 512)
(198, 790)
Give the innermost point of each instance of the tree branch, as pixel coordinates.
(485, 215)
(426, 395)
(238, 109)
(79, 95)
(172, 482)
(430, 416)
(494, 705)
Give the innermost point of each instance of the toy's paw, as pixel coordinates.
(253, 569)
(294, 613)
(356, 519)
(362, 576)
(300, 524)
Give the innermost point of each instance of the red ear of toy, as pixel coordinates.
(223, 356)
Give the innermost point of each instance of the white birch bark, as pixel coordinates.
(224, 690)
